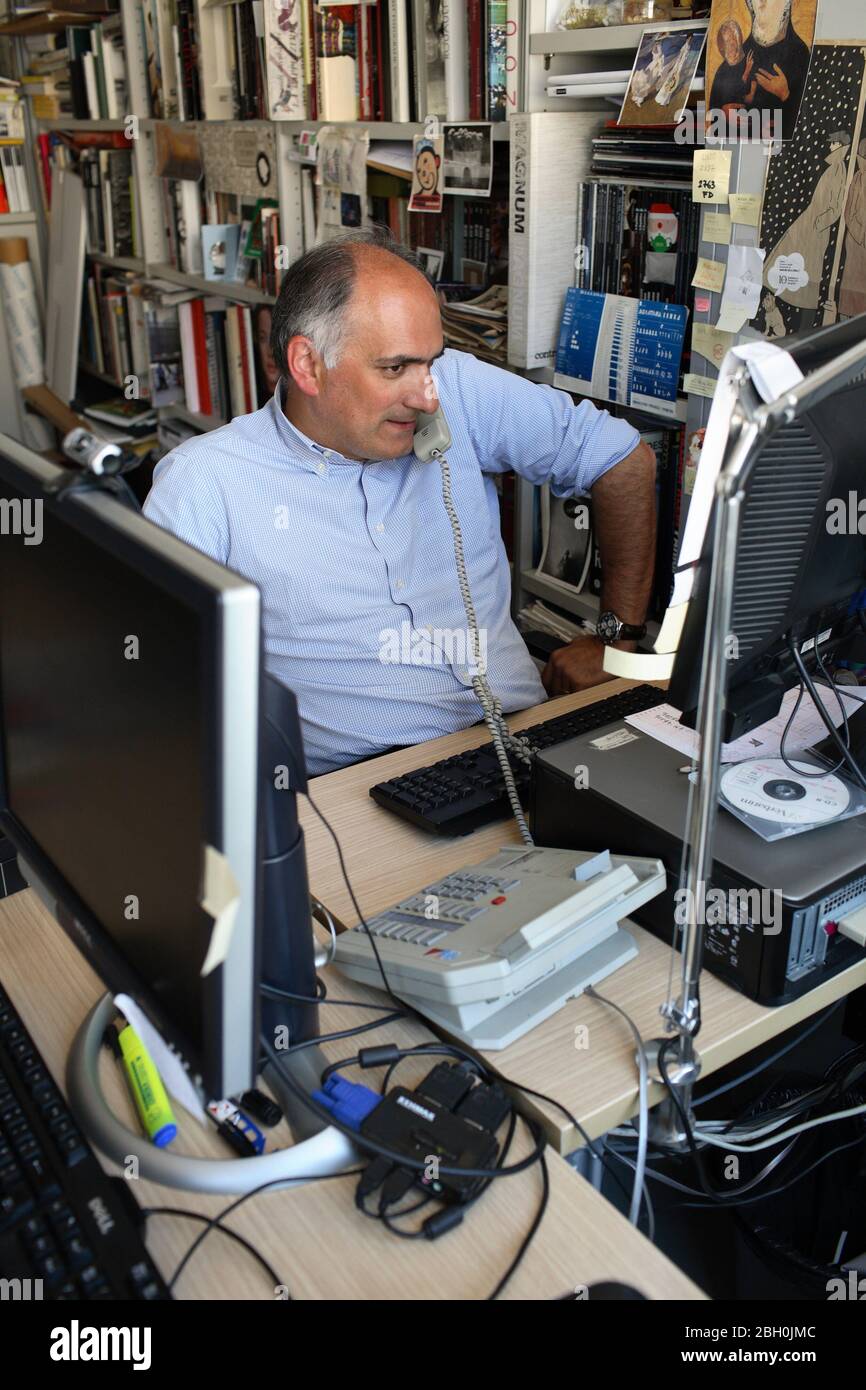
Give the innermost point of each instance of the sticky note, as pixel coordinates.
(732, 318)
(220, 899)
(710, 275)
(699, 385)
(711, 176)
(711, 343)
(717, 228)
(746, 208)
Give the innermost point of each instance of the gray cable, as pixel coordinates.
(643, 1105)
(491, 706)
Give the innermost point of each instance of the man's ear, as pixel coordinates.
(304, 365)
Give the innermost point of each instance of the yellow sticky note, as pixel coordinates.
(711, 176)
(746, 209)
(699, 385)
(717, 228)
(710, 275)
(711, 343)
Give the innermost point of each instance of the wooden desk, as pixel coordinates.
(387, 859)
(313, 1237)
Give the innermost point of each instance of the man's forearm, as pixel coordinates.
(624, 517)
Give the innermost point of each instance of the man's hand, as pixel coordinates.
(575, 667)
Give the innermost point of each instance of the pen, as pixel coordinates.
(145, 1085)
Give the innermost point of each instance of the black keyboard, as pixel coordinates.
(63, 1220)
(462, 793)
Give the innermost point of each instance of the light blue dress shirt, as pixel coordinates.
(362, 614)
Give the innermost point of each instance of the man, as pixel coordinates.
(780, 60)
(321, 501)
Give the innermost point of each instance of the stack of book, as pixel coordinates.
(394, 60)
(81, 74)
(637, 241)
(478, 325)
(109, 187)
(14, 194)
(642, 153)
(217, 344)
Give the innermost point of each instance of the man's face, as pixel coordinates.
(393, 332)
(770, 20)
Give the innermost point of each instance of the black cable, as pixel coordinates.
(774, 1192)
(849, 758)
(361, 918)
(343, 1033)
(226, 1230)
(530, 1234)
(782, 754)
(421, 1050)
(273, 993)
(402, 1160)
(213, 1221)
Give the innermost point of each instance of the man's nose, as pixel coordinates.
(422, 395)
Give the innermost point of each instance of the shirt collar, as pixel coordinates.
(305, 450)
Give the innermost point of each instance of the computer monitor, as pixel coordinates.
(797, 575)
(130, 718)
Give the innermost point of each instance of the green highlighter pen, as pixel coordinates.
(146, 1088)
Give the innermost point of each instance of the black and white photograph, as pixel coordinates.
(468, 162)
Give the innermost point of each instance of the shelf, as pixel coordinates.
(199, 422)
(584, 606)
(71, 123)
(46, 22)
(89, 368)
(678, 408)
(16, 219)
(223, 289)
(612, 38)
(386, 130)
(118, 262)
(556, 591)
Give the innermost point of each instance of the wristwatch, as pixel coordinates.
(610, 629)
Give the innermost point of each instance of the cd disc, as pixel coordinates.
(767, 788)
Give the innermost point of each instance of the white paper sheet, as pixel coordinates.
(662, 722)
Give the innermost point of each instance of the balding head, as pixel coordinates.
(355, 330)
(318, 289)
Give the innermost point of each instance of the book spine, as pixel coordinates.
(513, 38)
(520, 241)
(201, 357)
(497, 44)
(454, 43)
(399, 60)
(474, 16)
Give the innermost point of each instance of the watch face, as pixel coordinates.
(607, 627)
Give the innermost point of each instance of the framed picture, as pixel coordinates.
(432, 262)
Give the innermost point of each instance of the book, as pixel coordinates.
(548, 153)
(455, 49)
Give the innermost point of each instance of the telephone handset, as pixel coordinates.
(432, 436)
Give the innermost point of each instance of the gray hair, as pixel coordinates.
(316, 291)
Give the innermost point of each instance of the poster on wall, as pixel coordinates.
(758, 57)
(815, 257)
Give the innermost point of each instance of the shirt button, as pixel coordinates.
(399, 584)
(320, 467)
(379, 527)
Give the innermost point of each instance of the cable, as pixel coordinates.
(819, 704)
(769, 1061)
(402, 1160)
(226, 1230)
(491, 706)
(643, 1105)
(530, 1234)
(804, 1172)
(726, 1143)
(213, 1221)
(273, 993)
